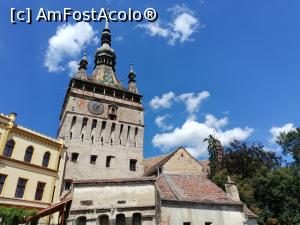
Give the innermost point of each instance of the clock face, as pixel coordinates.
(95, 107)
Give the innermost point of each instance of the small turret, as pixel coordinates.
(82, 67)
(131, 83)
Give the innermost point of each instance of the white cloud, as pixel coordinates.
(160, 121)
(155, 29)
(119, 38)
(73, 67)
(192, 101)
(213, 122)
(191, 135)
(66, 44)
(276, 131)
(165, 101)
(181, 27)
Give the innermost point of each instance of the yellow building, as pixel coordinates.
(31, 166)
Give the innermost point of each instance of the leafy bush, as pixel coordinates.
(14, 216)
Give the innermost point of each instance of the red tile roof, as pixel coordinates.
(191, 188)
(248, 212)
(205, 165)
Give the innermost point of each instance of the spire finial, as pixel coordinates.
(84, 54)
(106, 24)
(131, 68)
(106, 36)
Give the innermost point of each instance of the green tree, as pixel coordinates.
(290, 143)
(249, 160)
(278, 196)
(215, 151)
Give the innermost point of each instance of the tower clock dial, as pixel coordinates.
(95, 107)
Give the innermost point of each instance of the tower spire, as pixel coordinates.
(131, 83)
(105, 61)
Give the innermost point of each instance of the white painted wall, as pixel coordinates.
(198, 214)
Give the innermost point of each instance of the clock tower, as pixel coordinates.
(102, 121)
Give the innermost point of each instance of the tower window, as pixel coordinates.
(46, 159)
(121, 131)
(74, 156)
(103, 125)
(9, 148)
(94, 124)
(84, 122)
(39, 191)
(20, 188)
(110, 161)
(28, 154)
(135, 136)
(132, 164)
(82, 137)
(93, 159)
(128, 133)
(73, 122)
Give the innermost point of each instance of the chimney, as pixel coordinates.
(231, 190)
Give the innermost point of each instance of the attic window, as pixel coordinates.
(74, 156)
(121, 202)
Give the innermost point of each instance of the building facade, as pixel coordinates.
(105, 179)
(31, 166)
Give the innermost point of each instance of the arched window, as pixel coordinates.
(103, 220)
(81, 220)
(9, 148)
(28, 154)
(136, 219)
(46, 159)
(120, 219)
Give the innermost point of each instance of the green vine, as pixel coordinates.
(13, 216)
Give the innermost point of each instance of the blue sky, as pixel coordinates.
(230, 68)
